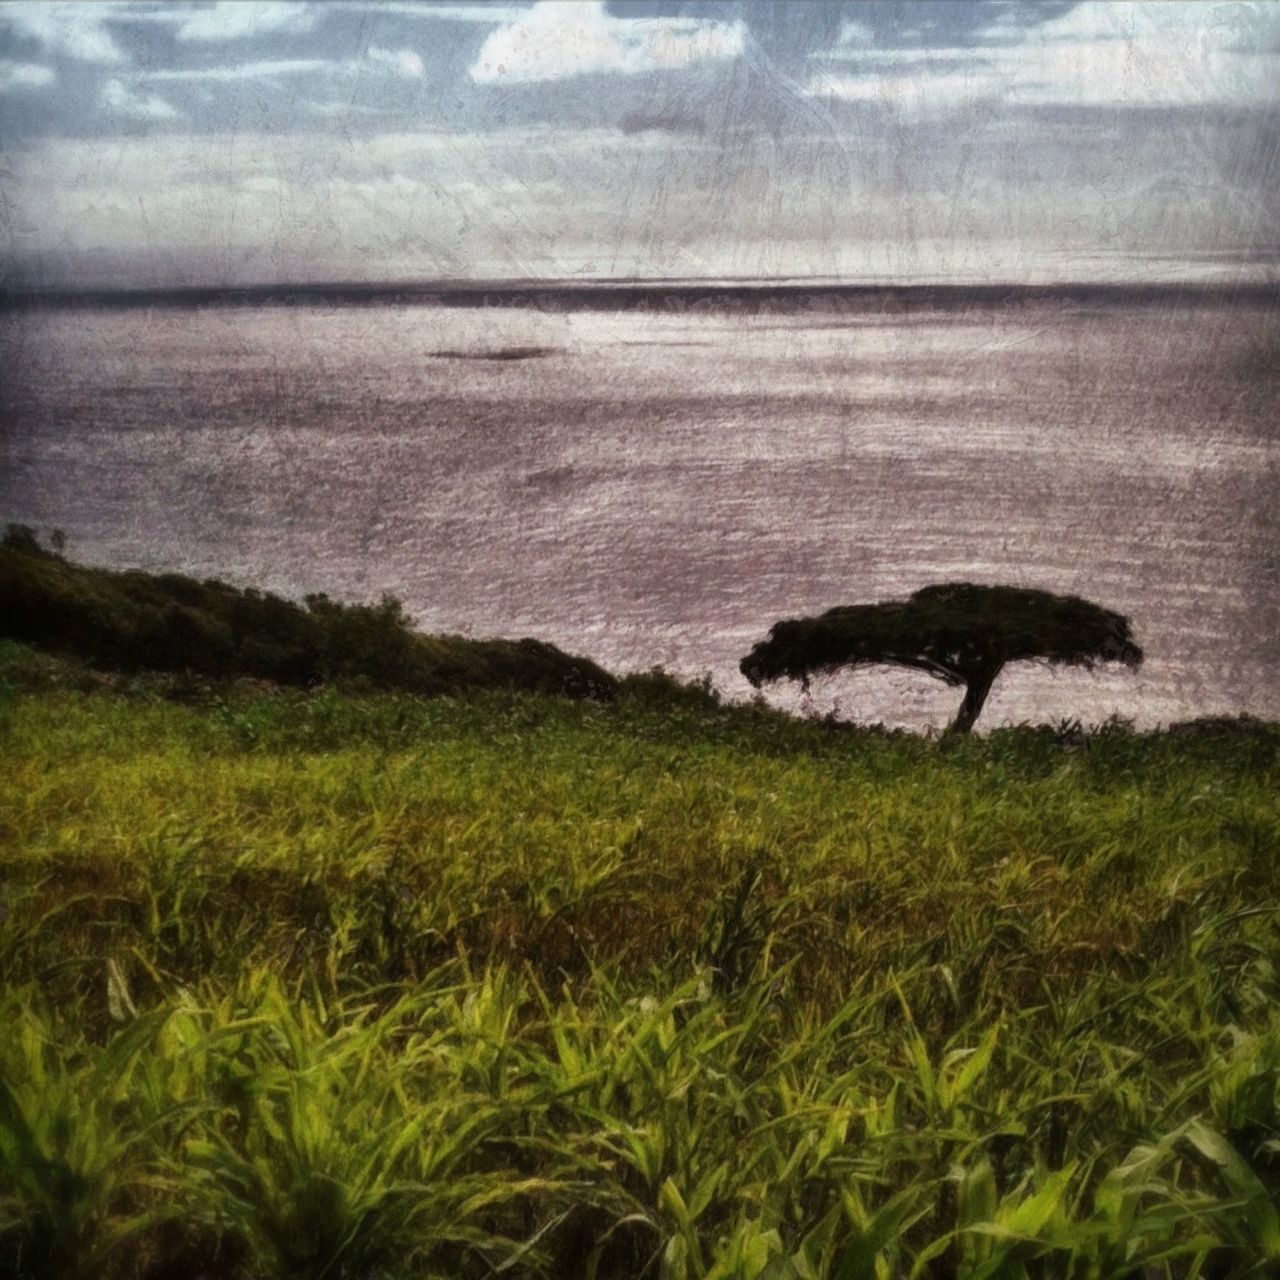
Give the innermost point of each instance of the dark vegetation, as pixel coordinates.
(500, 353)
(959, 632)
(345, 983)
(134, 622)
(301, 984)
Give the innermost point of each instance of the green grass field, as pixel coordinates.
(318, 985)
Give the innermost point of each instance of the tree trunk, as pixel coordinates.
(977, 685)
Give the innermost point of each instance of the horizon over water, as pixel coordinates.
(653, 472)
(1258, 281)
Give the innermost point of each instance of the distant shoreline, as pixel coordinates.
(626, 295)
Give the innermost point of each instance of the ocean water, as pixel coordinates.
(658, 487)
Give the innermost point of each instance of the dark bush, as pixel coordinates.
(134, 621)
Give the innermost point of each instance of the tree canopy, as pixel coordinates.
(960, 632)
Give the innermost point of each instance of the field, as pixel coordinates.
(360, 984)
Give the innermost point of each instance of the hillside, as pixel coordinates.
(319, 983)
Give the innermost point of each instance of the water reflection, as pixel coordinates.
(659, 488)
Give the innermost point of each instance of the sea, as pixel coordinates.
(653, 477)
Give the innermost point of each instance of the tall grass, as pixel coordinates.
(320, 986)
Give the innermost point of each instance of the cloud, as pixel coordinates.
(1154, 54)
(1096, 55)
(855, 35)
(560, 38)
(128, 103)
(401, 62)
(489, 14)
(244, 19)
(24, 75)
(164, 204)
(78, 29)
(68, 30)
(907, 94)
(339, 109)
(240, 20)
(258, 70)
(914, 57)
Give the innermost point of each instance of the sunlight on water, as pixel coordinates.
(657, 487)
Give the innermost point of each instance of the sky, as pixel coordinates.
(224, 143)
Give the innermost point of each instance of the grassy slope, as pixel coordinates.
(390, 986)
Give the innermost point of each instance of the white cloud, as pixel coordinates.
(559, 38)
(1148, 20)
(1098, 55)
(130, 103)
(401, 62)
(491, 14)
(904, 57)
(855, 35)
(339, 109)
(24, 75)
(239, 19)
(908, 94)
(260, 70)
(1143, 55)
(329, 204)
(70, 30)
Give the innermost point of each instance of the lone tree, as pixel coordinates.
(960, 632)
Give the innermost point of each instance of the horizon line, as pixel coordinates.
(610, 291)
